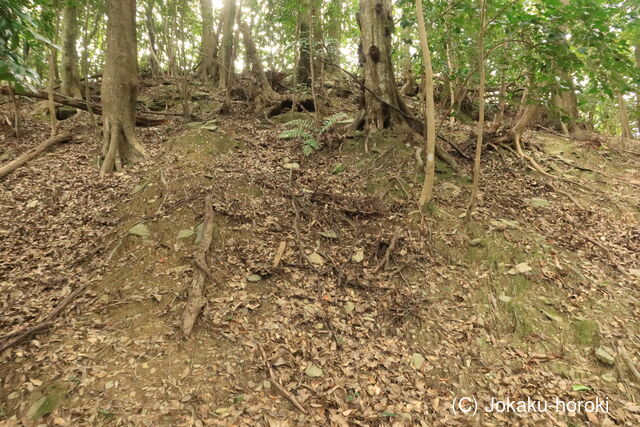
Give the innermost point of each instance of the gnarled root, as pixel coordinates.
(120, 142)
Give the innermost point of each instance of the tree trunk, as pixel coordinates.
(625, 128)
(410, 87)
(208, 40)
(637, 54)
(304, 57)
(480, 129)
(70, 72)
(151, 33)
(226, 53)
(376, 25)
(334, 55)
(257, 69)
(119, 88)
(429, 113)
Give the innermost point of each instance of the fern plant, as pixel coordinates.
(306, 130)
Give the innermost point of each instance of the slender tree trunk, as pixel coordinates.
(637, 55)
(119, 88)
(16, 111)
(85, 63)
(151, 33)
(303, 72)
(70, 72)
(312, 66)
(208, 40)
(226, 52)
(52, 104)
(410, 87)
(502, 104)
(625, 128)
(429, 113)
(480, 129)
(335, 34)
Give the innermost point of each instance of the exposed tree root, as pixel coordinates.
(196, 299)
(119, 143)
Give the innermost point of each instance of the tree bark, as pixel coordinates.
(149, 22)
(480, 129)
(226, 53)
(119, 88)
(625, 127)
(410, 87)
(257, 69)
(304, 56)
(429, 113)
(637, 55)
(208, 40)
(70, 72)
(376, 25)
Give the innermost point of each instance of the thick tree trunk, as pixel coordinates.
(208, 40)
(376, 25)
(566, 105)
(119, 88)
(226, 51)
(625, 127)
(70, 72)
(267, 94)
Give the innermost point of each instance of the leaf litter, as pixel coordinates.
(299, 329)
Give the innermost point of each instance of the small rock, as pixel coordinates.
(291, 166)
(254, 277)
(140, 230)
(349, 307)
(313, 371)
(358, 256)
(316, 259)
(417, 360)
(476, 243)
(605, 355)
(538, 203)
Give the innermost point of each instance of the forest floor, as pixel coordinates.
(373, 314)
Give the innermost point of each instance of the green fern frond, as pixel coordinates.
(294, 133)
(300, 124)
(331, 121)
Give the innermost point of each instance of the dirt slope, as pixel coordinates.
(374, 315)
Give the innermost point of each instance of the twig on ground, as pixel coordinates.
(276, 383)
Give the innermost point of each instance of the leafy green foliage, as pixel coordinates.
(17, 32)
(306, 130)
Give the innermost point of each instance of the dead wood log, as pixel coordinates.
(82, 105)
(196, 300)
(29, 155)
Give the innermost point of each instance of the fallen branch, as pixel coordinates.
(29, 155)
(279, 386)
(627, 361)
(81, 104)
(196, 299)
(46, 323)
